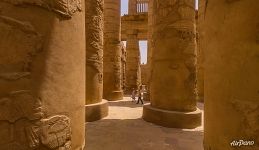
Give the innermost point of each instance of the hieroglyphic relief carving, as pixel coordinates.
(24, 116)
(22, 120)
(56, 132)
(20, 45)
(249, 112)
(65, 8)
(94, 40)
(183, 27)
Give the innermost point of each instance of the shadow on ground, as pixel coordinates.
(124, 129)
(136, 134)
(129, 103)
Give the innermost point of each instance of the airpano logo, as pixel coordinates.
(240, 143)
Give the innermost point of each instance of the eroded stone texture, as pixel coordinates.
(132, 7)
(133, 71)
(200, 50)
(123, 64)
(231, 69)
(112, 51)
(173, 72)
(66, 8)
(150, 46)
(41, 89)
(94, 61)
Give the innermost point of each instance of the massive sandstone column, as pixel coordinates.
(123, 65)
(96, 108)
(231, 74)
(201, 47)
(133, 73)
(173, 99)
(112, 51)
(42, 75)
(150, 45)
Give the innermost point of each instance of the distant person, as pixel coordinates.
(133, 95)
(140, 97)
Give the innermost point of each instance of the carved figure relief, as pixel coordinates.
(23, 114)
(21, 44)
(22, 120)
(94, 36)
(65, 8)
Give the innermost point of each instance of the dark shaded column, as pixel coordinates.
(112, 51)
(133, 71)
(231, 75)
(201, 49)
(96, 108)
(173, 99)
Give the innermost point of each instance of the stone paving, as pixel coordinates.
(124, 129)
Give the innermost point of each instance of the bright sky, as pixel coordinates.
(142, 44)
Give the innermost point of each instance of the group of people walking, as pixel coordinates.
(139, 93)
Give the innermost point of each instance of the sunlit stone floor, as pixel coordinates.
(124, 129)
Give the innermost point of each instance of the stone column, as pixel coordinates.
(173, 99)
(200, 48)
(123, 65)
(133, 73)
(231, 74)
(96, 108)
(132, 7)
(150, 45)
(42, 75)
(112, 51)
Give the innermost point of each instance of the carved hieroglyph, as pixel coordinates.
(28, 128)
(112, 51)
(29, 118)
(94, 51)
(174, 20)
(65, 8)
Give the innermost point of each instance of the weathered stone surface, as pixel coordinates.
(94, 61)
(97, 111)
(123, 65)
(94, 51)
(173, 63)
(137, 22)
(112, 51)
(200, 50)
(41, 84)
(133, 71)
(65, 8)
(231, 74)
(150, 45)
(132, 5)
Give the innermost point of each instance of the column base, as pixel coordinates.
(94, 112)
(115, 96)
(172, 119)
(146, 97)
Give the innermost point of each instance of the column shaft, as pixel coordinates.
(96, 108)
(173, 66)
(231, 74)
(112, 51)
(133, 73)
(200, 47)
(150, 45)
(42, 75)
